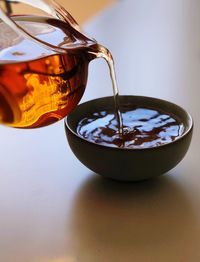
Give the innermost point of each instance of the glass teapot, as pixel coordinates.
(43, 65)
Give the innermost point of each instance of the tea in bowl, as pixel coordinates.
(154, 136)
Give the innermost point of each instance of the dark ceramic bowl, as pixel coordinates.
(128, 164)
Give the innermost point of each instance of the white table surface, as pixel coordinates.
(53, 209)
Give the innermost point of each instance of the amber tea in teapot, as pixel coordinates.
(37, 85)
(44, 66)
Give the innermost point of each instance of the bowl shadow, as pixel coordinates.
(130, 221)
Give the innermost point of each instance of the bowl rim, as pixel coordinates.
(185, 133)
